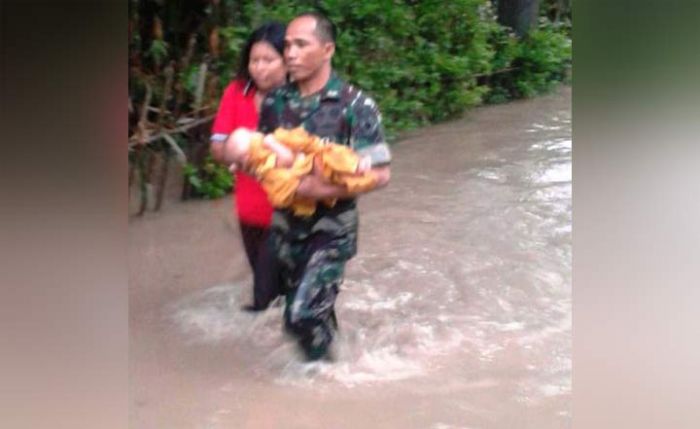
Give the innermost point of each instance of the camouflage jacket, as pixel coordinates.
(342, 114)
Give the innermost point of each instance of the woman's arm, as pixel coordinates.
(216, 148)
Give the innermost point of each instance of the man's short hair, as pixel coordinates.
(325, 29)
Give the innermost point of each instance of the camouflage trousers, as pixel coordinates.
(312, 271)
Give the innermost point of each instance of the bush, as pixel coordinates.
(536, 64)
(422, 61)
(542, 59)
(210, 180)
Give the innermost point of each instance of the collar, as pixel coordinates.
(331, 91)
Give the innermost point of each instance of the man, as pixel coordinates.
(313, 250)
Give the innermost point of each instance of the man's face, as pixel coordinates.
(304, 52)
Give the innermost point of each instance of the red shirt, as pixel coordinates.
(237, 109)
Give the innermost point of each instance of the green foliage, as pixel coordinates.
(537, 63)
(189, 78)
(158, 51)
(422, 60)
(543, 58)
(558, 12)
(233, 39)
(210, 180)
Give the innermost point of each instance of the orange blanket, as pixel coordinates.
(337, 165)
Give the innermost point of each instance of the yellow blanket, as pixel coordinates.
(338, 165)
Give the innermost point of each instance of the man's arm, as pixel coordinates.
(367, 139)
(315, 187)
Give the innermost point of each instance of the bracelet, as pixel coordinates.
(218, 137)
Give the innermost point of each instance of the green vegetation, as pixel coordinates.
(535, 64)
(210, 180)
(427, 61)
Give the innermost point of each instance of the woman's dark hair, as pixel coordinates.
(271, 32)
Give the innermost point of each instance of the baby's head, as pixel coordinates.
(238, 145)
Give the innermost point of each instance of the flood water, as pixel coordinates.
(456, 312)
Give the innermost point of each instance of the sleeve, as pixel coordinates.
(366, 131)
(224, 120)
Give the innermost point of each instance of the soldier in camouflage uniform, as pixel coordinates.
(313, 250)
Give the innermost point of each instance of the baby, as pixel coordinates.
(280, 159)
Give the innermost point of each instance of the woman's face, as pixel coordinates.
(266, 66)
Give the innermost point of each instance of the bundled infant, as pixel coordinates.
(279, 160)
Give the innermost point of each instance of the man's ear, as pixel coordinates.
(328, 50)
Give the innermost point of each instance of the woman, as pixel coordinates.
(261, 70)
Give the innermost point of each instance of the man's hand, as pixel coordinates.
(364, 165)
(314, 187)
(383, 175)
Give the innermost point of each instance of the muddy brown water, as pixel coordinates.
(456, 312)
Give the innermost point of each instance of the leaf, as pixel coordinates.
(195, 181)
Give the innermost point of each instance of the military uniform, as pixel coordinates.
(312, 251)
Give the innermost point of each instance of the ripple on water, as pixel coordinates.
(554, 173)
(377, 342)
